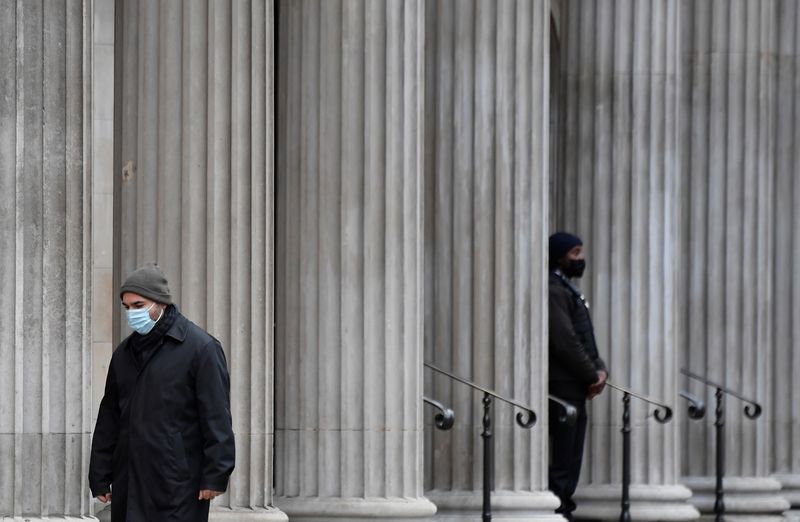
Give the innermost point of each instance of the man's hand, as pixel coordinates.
(207, 494)
(104, 498)
(596, 388)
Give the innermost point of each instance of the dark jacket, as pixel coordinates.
(574, 360)
(164, 431)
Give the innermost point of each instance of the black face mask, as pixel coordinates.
(574, 268)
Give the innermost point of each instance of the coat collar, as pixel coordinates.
(178, 330)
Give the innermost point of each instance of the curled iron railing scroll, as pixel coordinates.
(569, 413)
(697, 408)
(445, 419)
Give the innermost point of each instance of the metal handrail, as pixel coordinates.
(749, 403)
(752, 410)
(663, 413)
(487, 435)
(531, 420)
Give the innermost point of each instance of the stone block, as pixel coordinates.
(103, 83)
(104, 304)
(103, 157)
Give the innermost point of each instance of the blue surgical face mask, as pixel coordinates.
(139, 319)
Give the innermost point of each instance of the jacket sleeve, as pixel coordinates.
(213, 400)
(600, 365)
(104, 440)
(564, 344)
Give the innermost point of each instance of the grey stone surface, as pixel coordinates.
(349, 297)
(746, 498)
(196, 134)
(487, 87)
(648, 502)
(466, 505)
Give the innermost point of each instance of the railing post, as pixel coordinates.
(488, 458)
(752, 410)
(663, 414)
(719, 424)
(625, 514)
(525, 419)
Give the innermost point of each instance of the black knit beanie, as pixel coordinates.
(560, 244)
(150, 282)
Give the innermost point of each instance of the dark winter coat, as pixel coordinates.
(164, 431)
(574, 360)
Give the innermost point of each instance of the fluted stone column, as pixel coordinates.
(349, 304)
(487, 225)
(195, 192)
(728, 114)
(45, 254)
(104, 304)
(620, 191)
(784, 447)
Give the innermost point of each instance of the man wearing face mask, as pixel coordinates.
(577, 372)
(163, 444)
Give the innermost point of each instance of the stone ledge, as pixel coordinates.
(734, 484)
(746, 498)
(323, 509)
(506, 505)
(669, 502)
(49, 518)
(790, 488)
(247, 515)
(792, 516)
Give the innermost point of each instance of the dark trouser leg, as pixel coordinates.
(566, 454)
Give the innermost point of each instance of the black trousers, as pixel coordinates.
(566, 455)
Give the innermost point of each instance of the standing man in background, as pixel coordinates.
(577, 372)
(163, 445)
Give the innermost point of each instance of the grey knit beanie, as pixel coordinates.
(150, 282)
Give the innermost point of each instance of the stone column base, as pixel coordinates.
(647, 502)
(247, 515)
(746, 498)
(217, 515)
(792, 515)
(506, 505)
(102, 511)
(790, 489)
(318, 509)
(28, 518)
